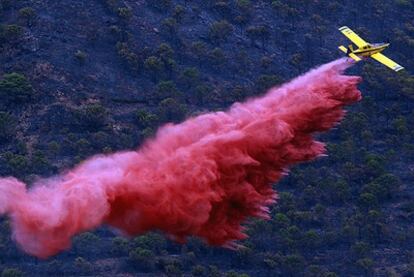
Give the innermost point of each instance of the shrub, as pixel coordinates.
(15, 88)
(93, 116)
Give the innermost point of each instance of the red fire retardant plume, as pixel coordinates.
(203, 177)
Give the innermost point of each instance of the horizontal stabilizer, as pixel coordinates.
(343, 48)
(355, 57)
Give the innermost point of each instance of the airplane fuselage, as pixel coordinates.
(370, 49)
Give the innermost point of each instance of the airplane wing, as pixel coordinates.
(352, 36)
(386, 61)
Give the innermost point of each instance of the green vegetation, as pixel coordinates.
(220, 31)
(12, 272)
(92, 116)
(10, 33)
(103, 79)
(7, 126)
(28, 15)
(15, 88)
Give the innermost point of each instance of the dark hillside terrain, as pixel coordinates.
(78, 78)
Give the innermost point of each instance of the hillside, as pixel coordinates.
(80, 78)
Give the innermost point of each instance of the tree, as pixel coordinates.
(360, 249)
(120, 246)
(92, 116)
(151, 241)
(217, 57)
(168, 89)
(7, 126)
(198, 270)
(171, 110)
(368, 200)
(15, 88)
(293, 264)
(16, 164)
(160, 5)
(28, 15)
(154, 66)
(244, 6)
(10, 33)
(165, 52)
(12, 272)
(190, 77)
(202, 94)
(127, 55)
(220, 31)
(125, 13)
(265, 82)
(259, 32)
(311, 239)
(222, 8)
(178, 13)
(145, 119)
(199, 51)
(366, 265)
(296, 60)
(83, 265)
(280, 221)
(169, 27)
(39, 162)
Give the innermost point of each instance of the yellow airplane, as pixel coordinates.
(366, 50)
